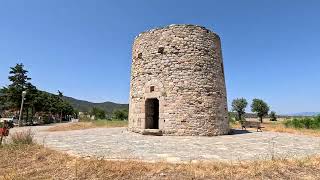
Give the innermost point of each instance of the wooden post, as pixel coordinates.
(1, 139)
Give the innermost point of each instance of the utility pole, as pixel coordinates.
(21, 108)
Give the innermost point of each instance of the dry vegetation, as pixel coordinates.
(22, 137)
(278, 126)
(37, 162)
(88, 125)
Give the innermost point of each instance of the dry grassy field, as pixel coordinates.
(278, 126)
(88, 125)
(36, 162)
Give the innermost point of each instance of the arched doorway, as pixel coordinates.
(152, 113)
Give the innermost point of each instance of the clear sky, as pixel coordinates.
(83, 48)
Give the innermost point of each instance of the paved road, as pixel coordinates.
(117, 143)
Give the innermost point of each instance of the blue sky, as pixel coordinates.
(83, 48)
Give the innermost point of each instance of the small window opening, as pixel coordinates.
(161, 50)
(151, 88)
(140, 55)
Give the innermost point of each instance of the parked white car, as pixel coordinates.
(14, 120)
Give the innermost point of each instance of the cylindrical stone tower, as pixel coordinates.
(177, 83)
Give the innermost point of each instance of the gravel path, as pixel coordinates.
(117, 143)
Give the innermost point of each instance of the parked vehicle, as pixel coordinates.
(12, 121)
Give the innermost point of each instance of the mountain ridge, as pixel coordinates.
(86, 106)
(109, 107)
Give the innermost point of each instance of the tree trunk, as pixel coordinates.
(261, 119)
(27, 119)
(60, 116)
(32, 113)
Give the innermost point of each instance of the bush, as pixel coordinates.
(85, 119)
(98, 113)
(232, 118)
(23, 137)
(273, 116)
(121, 114)
(307, 123)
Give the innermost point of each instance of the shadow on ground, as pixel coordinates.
(238, 131)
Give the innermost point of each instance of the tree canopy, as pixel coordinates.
(260, 107)
(239, 105)
(273, 116)
(98, 113)
(120, 114)
(11, 95)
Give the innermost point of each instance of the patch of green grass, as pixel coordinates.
(110, 123)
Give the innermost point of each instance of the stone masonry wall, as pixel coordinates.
(184, 65)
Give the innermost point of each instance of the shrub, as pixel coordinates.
(273, 116)
(120, 114)
(232, 118)
(98, 113)
(306, 122)
(23, 137)
(85, 119)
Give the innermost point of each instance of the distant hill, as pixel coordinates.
(86, 106)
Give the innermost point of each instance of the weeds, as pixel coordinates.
(22, 137)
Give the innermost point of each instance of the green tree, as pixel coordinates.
(61, 104)
(273, 116)
(239, 105)
(120, 114)
(98, 113)
(11, 95)
(19, 82)
(260, 107)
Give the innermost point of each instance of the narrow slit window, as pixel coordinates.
(222, 68)
(151, 88)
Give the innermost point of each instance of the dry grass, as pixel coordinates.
(37, 162)
(22, 137)
(88, 125)
(278, 126)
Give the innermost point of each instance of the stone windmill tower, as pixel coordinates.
(177, 82)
